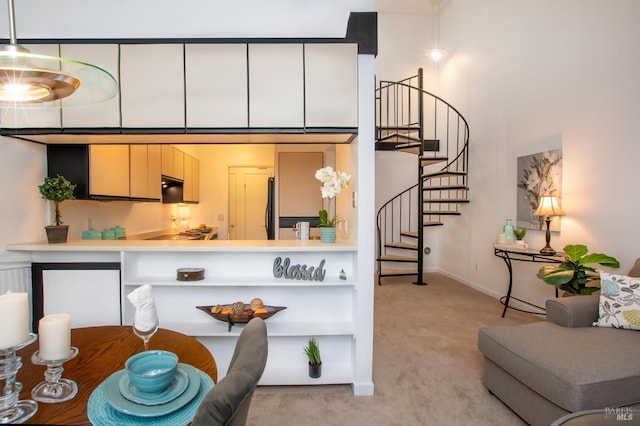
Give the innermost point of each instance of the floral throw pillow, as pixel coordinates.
(619, 302)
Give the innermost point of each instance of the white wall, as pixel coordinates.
(24, 213)
(531, 76)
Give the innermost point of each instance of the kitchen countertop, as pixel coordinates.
(188, 245)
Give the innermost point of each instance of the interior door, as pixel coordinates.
(248, 202)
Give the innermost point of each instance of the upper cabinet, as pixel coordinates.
(104, 114)
(109, 170)
(19, 118)
(276, 85)
(216, 85)
(210, 86)
(172, 162)
(144, 171)
(152, 85)
(331, 85)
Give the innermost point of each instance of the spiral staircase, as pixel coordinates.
(410, 119)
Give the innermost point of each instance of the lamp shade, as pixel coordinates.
(548, 206)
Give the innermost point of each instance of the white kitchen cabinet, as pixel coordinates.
(216, 85)
(331, 85)
(276, 85)
(145, 172)
(109, 170)
(191, 179)
(152, 85)
(102, 115)
(325, 310)
(19, 118)
(91, 297)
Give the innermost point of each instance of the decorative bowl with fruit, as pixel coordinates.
(240, 312)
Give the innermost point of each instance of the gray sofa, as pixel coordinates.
(548, 369)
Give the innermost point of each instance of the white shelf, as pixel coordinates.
(237, 282)
(298, 374)
(326, 310)
(215, 328)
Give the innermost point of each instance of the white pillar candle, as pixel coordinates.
(54, 333)
(14, 319)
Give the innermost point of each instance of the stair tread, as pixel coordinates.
(446, 200)
(446, 188)
(396, 258)
(401, 245)
(427, 161)
(441, 212)
(432, 223)
(412, 234)
(444, 173)
(396, 136)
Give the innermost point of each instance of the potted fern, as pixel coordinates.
(573, 274)
(57, 189)
(313, 355)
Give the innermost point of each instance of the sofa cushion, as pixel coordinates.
(619, 305)
(576, 368)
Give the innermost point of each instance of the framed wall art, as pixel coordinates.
(538, 174)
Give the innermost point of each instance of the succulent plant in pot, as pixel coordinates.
(313, 355)
(572, 275)
(57, 189)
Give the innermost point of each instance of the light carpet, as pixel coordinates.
(427, 369)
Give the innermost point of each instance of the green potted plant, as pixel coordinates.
(57, 189)
(573, 274)
(313, 354)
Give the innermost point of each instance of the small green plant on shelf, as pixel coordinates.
(520, 233)
(313, 352)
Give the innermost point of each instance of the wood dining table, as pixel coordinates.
(102, 352)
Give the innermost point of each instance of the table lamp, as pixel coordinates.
(548, 207)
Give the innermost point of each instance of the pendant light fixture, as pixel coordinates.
(436, 52)
(29, 80)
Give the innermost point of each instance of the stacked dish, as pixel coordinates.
(119, 401)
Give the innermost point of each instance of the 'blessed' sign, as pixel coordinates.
(284, 269)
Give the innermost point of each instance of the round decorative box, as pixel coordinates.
(190, 274)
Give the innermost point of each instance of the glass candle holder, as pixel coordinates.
(12, 410)
(54, 388)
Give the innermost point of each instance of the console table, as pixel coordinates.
(510, 255)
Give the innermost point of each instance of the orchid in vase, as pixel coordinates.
(333, 182)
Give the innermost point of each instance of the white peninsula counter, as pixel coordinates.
(337, 311)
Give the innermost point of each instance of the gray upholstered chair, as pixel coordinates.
(227, 403)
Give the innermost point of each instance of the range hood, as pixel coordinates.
(172, 190)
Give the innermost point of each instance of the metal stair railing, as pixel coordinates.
(402, 117)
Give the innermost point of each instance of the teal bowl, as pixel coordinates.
(151, 372)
